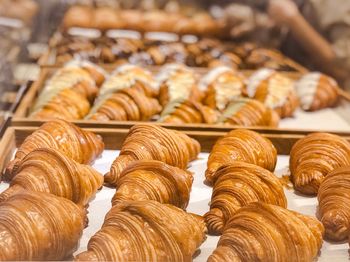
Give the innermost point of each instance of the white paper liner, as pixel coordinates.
(200, 197)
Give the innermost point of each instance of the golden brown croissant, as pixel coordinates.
(236, 185)
(221, 85)
(188, 112)
(79, 145)
(39, 226)
(177, 82)
(67, 94)
(241, 145)
(126, 105)
(154, 180)
(249, 112)
(313, 157)
(48, 170)
(317, 91)
(334, 204)
(146, 231)
(264, 232)
(274, 90)
(152, 142)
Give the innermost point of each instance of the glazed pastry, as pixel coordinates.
(77, 144)
(152, 142)
(48, 170)
(317, 91)
(177, 82)
(188, 112)
(264, 232)
(146, 231)
(249, 112)
(274, 90)
(105, 18)
(40, 227)
(334, 203)
(241, 145)
(313, 157)
(236, 185)
(78, 16)
(68, 93)
(221, 85)
(154, 180)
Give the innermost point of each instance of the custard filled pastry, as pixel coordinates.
(241, 145)
(274, 90)
(146, 231)
(177, 82)
(221, 85)
(264, 232)
(188, 112)
(317, 91)
(50, 171)
(68, 94)
(236, 185)
(154, 180)
(152, 142)
(313, 157)
(249, 112)
(334, 204)
(40, 227)
(77, 144)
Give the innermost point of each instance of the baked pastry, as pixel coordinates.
(40, 227)
(78, 16)
(249, 112)
(152, 142)
(177, 82)
(241, 145)
(146, 230)
(79, 145)
(263, 232)
(274, 90)
(236, 185)
(317, 91)
(154, 180)
(221, 85)
(68, 93)
(48, 170)
(313, 157)
(334, 203)
(188, 112)
(105, 18)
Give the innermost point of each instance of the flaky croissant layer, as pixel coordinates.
(146, 231)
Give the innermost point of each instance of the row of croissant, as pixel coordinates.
(81, 90)
(148, 219)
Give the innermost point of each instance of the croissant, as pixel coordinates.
(154, 180)
(221, 86)
(126, 105)
(146, 231)
(187, 112)
(66, 95)
(241, 145)
(264, 232)
(274, 90)
(317, 91)
(152, 142)
(177, 82)
(81, 146)
(249, 112)
(334, 203)
(39, 226)
(48, 170)
(237, 185)
(314, 157)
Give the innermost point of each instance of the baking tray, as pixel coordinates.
(200, 194)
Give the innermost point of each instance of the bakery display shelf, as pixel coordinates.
(200, 194)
